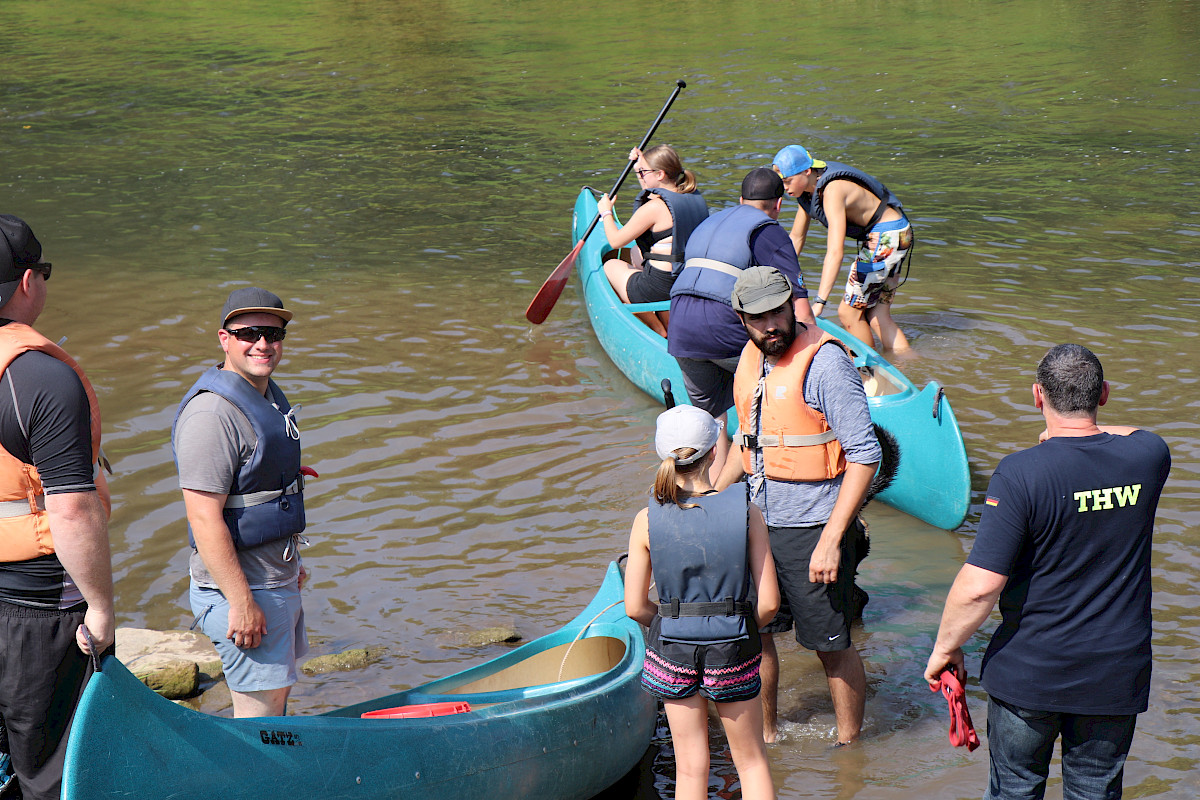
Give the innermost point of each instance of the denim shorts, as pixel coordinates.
(271, 665)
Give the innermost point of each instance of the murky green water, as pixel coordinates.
(403, 174)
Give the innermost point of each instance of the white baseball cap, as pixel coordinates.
(685, 426)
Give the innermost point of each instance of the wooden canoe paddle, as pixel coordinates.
(542, 303)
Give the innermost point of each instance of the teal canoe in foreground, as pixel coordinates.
(932, 482)
(563, 716)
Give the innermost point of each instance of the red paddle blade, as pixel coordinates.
(552, 289)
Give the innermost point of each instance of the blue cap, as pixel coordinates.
(794, 159)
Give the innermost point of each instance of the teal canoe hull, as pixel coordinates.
(570, 736)
(933, 480)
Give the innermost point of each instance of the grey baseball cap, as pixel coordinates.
(759, 290)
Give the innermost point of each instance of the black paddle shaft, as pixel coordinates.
(679, 86)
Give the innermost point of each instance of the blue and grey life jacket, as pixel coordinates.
(700, 562)
(266, 501)
(813, 203)
(718, 252)
(688, 210)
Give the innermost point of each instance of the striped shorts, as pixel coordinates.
(724, 673)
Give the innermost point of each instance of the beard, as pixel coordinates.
(774, 342)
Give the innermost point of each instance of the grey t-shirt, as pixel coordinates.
(212, 441)
(833, 387)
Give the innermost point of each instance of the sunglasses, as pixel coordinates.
(252, 333)
(42, 267)
(641, 173)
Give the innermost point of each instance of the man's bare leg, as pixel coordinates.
(854, 320)
(267, 703)
(848, 688)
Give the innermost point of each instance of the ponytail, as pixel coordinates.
(686, 183)
(666, 485)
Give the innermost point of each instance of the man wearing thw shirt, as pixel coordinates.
(1064, 545)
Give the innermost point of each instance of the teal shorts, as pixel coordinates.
(271, 665)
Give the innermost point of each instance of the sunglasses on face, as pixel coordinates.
(42, 267)
(641, 173)
(252, 333)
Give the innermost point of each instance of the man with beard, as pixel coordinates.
(809, 448)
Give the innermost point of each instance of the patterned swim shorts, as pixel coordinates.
(876, 272)
(724, 673)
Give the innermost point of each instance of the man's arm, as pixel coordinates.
(826, 558)
(799, 234)
(732, 472)
(834, 200)
(247, 623)
(968, 605)
(79, 525)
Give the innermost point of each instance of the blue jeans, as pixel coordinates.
(1021, 742)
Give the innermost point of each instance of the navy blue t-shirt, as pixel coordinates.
(703, 328)
(1070, 523)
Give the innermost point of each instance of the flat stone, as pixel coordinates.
(356, 658)
(499, 634)
(143, 650)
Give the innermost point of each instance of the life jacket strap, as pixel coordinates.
(258, 498)
(793, 440)
(19, 508)
(725, 608)
(719, 266)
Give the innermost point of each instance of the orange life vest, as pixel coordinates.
(796, 442)
(25, 533)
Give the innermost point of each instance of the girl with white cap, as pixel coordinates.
(710, 558)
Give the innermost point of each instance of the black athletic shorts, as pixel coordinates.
(820, 612)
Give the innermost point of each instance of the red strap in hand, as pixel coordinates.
(962, 732)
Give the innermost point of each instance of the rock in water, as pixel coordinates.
(356, 658)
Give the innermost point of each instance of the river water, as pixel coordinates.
(403, 175)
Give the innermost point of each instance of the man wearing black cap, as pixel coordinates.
(706, 337)
(237, 449)
(56, 594)
(808, 445)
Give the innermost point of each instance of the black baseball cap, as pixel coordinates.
(19, 250)
(253, 300)
(762, 184)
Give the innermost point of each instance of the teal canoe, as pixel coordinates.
(563, 716)
(932, 480)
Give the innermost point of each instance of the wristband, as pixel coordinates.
(606, 214)
(822, 301)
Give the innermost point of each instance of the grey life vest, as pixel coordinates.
(718, 251)
(688, 210)
(700, 562)
(266, 501)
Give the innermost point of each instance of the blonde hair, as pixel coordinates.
(663, 157)
(666, 489)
